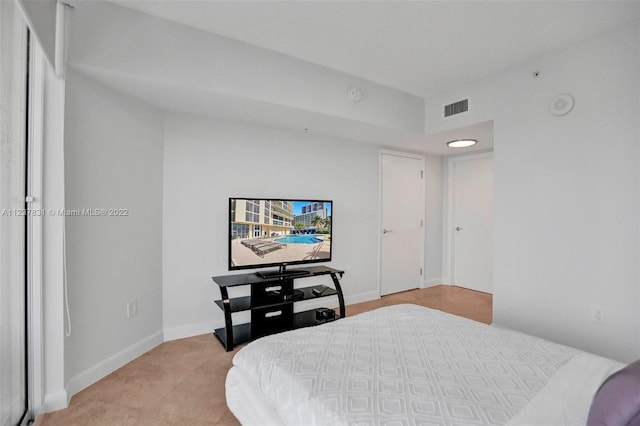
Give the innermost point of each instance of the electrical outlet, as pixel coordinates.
(132, 308)
(598, 314)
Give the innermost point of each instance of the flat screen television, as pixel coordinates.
(265, 232)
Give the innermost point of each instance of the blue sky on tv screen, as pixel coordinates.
(297, 207)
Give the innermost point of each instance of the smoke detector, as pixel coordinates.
(354, 94)
(561, 104)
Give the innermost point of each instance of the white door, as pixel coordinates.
(402, 214)
(473, 223)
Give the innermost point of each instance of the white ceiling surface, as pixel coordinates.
(419, 47)
(186, 99)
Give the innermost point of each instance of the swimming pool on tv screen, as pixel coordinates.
(299, 239)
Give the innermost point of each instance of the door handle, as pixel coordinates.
(458, 228)
(386, 231)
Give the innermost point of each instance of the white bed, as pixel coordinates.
(410, 365)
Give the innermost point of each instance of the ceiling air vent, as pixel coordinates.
(456, 108)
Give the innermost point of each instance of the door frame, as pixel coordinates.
(422, 158)
(448, 235)
(35, 194)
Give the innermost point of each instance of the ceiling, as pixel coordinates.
(395, 42)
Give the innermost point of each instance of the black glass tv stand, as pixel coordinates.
(271, 303)
(283, 272)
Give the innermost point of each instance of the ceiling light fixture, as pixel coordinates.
(462, 143)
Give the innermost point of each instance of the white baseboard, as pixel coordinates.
(111, 364)
(362, 297)
(59, 400)
(190, 330)
(432, 282)
(55, 401)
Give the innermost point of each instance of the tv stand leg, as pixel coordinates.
(228, 324)
(338, 288)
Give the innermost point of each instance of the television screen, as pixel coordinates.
(267, 232)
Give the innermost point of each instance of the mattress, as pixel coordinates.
(409, 365)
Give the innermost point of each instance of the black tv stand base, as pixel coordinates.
(272, 301)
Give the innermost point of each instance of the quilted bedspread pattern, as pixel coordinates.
(401, 365)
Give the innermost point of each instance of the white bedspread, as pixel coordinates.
(567, 397)
(401, 365)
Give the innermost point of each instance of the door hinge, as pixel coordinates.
(421, 174)
(421, 223)
(420, 271)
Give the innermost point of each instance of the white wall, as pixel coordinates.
(113, 159)
(206, 161)
(566, 190)
(119, 150)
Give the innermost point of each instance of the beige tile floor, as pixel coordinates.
(182, 382)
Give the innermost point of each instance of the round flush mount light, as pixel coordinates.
(561, 104)
(462, 143)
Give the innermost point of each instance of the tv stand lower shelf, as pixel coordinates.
(271, 304)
